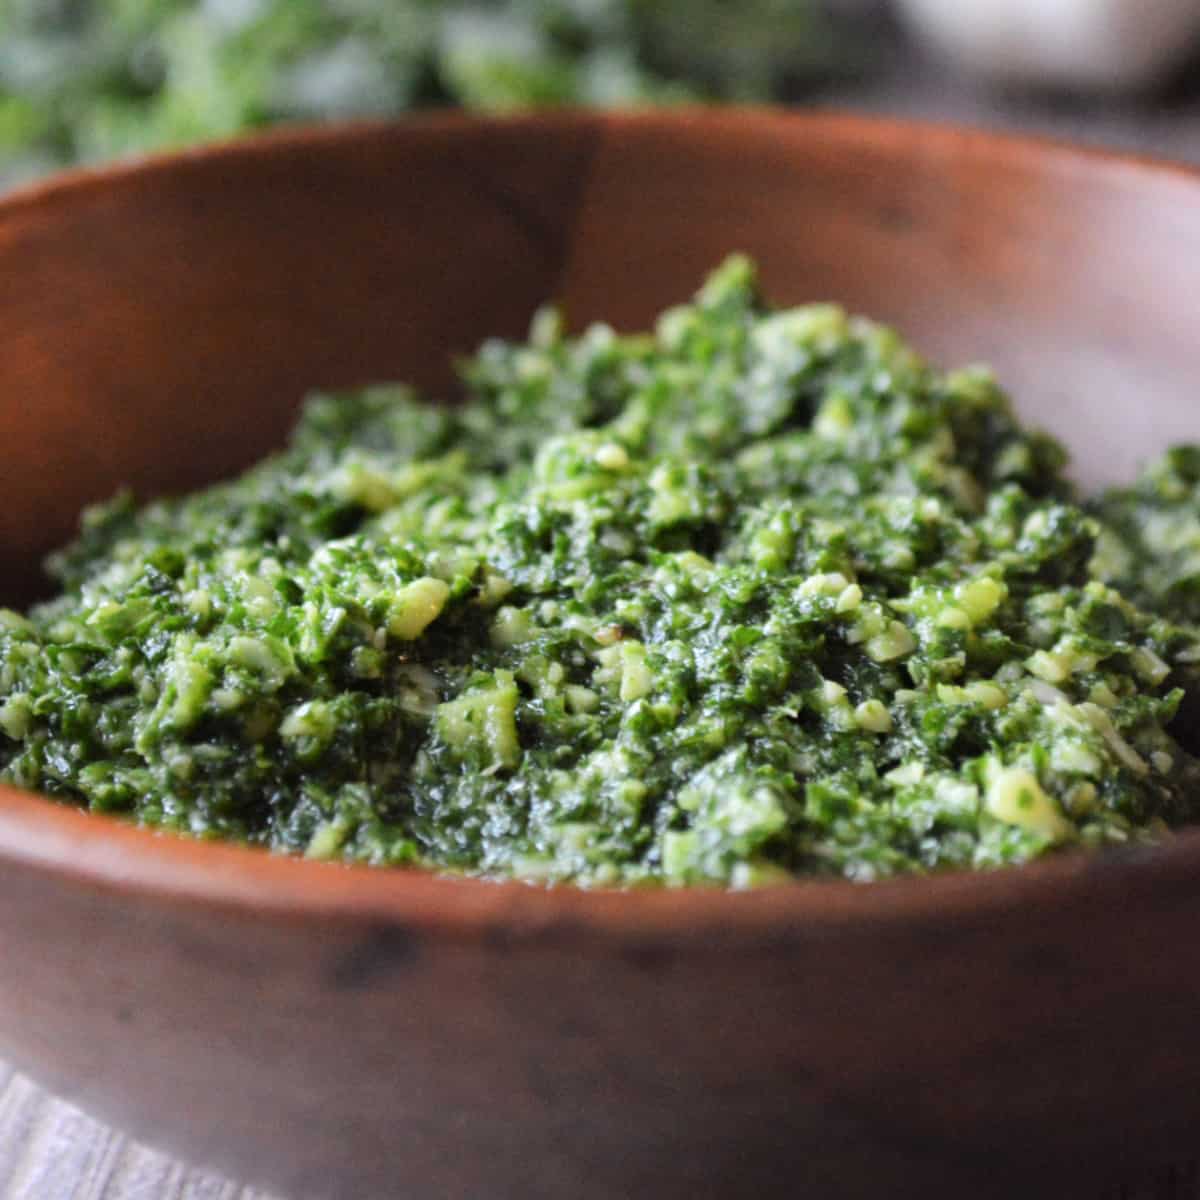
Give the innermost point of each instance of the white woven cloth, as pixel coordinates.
(50, 1150)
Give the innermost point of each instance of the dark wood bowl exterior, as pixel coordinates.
(347, 1032)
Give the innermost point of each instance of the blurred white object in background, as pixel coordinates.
(1088, 45)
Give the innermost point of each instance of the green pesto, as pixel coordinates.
(82, 80)
(759, 594)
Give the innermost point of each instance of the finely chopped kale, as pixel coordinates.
(82, 80)
(1150, 545)
(758, 595)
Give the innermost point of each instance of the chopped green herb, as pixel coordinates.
(757, 595)
(90, 79)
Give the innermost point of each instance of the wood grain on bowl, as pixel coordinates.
(345, 1032)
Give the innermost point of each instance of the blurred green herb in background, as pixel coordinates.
(91, 79)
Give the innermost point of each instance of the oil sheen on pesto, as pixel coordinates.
(758, 594)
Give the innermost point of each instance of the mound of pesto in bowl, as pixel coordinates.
(757, 595)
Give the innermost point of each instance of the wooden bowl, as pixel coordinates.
(350, 1032)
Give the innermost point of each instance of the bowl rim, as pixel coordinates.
(110, 856)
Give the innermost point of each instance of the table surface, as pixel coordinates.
(50, 1150)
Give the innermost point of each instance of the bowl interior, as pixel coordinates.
(161, 322)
